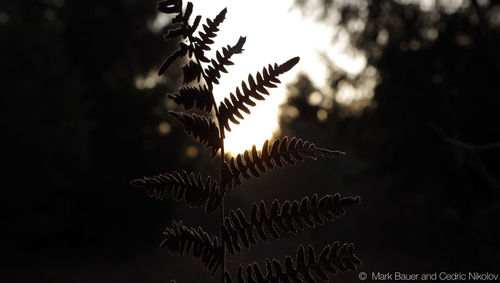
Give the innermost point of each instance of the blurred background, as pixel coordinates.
(414, 105)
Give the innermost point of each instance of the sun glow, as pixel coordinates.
(267, 27)
(275, 32)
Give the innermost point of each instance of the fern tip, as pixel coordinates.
(137, 183)
(294, 60)
(348, 201)
(285, 67)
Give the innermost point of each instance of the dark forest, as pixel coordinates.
(423, 153)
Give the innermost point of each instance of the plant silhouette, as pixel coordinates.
(239, 232)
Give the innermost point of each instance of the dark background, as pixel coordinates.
(76, 130)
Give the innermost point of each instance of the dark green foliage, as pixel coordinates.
(288, 217)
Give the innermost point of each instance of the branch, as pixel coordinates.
(474, 158)
(472, 147)
(485, 31)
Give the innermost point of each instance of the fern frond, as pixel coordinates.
(190, 188)
(189, 97)
(204, 39)
(264, 222)
(201, 129)
(213, 71)
(287, 217)
(186, 30)
(230, 109)
(191, 28)
(172, 33)
(283, 151)
(177, 54)
(332, 259)
(209, 30)
(191, 71)
(183, 240)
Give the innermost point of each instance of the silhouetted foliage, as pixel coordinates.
(333, 258)
(289, 217)
(282, 152)
(189, 188)
(78, 123)
(183, 240)
(229, 109)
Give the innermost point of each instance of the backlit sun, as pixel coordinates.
(275, 32)
(264, 45)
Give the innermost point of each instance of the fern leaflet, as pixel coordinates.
(190, 188)
(200, 128)
(288, 217)
(283, 151)
(333, 258)
(209, 31)
(213, 71)
(183, 240)
(197, 97)
(230, 109)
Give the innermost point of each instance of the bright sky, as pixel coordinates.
(275, 32)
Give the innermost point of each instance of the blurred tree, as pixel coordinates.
(76, 128)
(437, 88)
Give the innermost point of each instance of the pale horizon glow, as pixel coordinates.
(275, 32)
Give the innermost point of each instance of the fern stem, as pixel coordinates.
(223, 271)
(223, 186)
(221, 131)
(222, 154)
